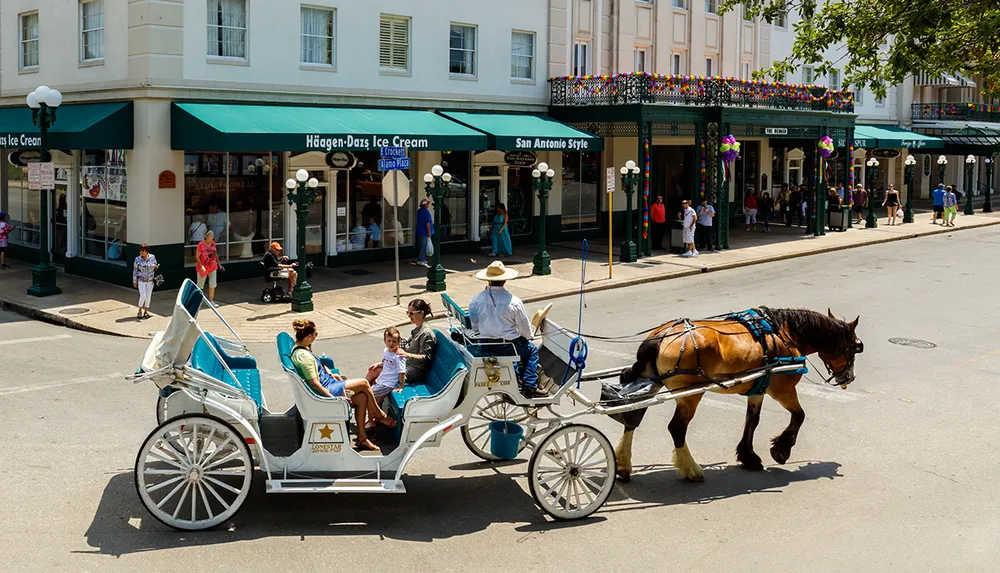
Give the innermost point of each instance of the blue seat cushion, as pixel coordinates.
(286, 344)
(243, 367)
(447, 363)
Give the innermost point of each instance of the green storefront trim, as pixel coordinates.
(515, 132)
(892, 137)
(107, 125)
(252, 128)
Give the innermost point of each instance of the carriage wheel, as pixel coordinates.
(161, 410)
(491, 407)
(572, 472)
(193, 472)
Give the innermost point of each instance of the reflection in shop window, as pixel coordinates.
(238, 197)
(22, 208)
(455, 207)
(103, 197)
(520, 200)
(580, 197)
(364, 219)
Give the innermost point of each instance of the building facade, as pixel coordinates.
(181, 117)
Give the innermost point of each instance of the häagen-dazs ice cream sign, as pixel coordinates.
(329, 143)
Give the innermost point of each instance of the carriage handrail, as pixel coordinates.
(442, 427)
(219, 316)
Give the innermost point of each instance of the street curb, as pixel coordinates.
(57, 319)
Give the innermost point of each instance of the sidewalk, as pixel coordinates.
(353, 300)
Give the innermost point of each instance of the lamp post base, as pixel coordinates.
(435, 279)
(870, 222)
(968, 209)
(628, 254)
(541, 264)
(302, 296)
(43, 281)
(908, 216)
(987, 207)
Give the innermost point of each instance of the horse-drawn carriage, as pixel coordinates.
(195, 470)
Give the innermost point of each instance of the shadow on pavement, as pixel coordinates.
(433, 508)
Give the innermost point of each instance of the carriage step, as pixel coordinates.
(334, 486)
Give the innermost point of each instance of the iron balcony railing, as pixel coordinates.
(639, 87)
(960, 111)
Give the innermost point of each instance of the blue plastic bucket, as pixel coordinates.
(505, 439)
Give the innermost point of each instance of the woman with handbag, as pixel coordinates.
(143, 275)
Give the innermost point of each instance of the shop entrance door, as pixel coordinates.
(492, 191)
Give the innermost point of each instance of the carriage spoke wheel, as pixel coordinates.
(193, 472)
(572, 472)
(489, 408)
(161, 410)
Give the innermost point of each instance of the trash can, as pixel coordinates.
(677, 236)
(839, 219)
(505, 439)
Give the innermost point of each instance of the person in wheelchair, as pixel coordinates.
(278, 266)
(496, 313)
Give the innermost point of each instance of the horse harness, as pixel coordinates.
(761, 327)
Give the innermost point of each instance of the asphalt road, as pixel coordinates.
(898, 473)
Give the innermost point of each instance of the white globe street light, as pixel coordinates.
(302, 175)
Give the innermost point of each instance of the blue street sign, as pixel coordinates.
(392, 152)
(392, 164)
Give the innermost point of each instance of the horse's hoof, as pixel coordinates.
(753, 465)
(779, 455)
(696, 478)
(624, 477)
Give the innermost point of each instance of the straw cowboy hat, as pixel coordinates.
(496, 272)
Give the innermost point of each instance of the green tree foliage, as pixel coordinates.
(888, 40)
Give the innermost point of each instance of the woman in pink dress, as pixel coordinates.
(207, 265)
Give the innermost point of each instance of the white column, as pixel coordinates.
(291, 231)
(73, 207)
(155, 216)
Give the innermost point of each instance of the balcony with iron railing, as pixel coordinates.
(641, 88)
(957, 111)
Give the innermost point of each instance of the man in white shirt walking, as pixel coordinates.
(496, 313)
(690, 217)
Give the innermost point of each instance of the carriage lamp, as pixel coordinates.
(630, 181)
(302, 193)
(43, 103)
(987, 204)
(908, 213)
(543, 184)
(872, 173)
(436, 183)
(970, 164)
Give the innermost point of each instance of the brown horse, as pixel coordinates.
(691, 353)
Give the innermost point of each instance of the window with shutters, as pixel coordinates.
(394, 43)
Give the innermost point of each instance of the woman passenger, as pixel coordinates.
(419, 349)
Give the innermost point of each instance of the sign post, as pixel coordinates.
(611, 219)
(392, 160)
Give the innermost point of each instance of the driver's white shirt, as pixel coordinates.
(495, 313)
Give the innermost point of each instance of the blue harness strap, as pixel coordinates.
(760, 327)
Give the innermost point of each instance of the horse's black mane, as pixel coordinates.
(811, 328)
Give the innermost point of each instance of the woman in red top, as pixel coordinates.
(750, 204)
(658, 213)
(207, 265)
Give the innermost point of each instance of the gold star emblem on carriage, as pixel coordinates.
(326, 432)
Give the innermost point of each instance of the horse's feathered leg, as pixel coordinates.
(744, 450)
(786, 395)
(623, 456)
(686, 466)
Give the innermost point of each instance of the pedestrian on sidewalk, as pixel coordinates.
(784, 198)
(5, 229)
(950, 207)
(938, 196)
(690, 217)
(794, 200)
(703, 234)
(143, 271)
(208, 266)
(891, 203)
(765, 206)
(750, 204)
(499, 235)
(425, 230)
(804, 206)
(658, 213)
(860, 198)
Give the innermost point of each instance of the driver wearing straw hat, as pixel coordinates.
(496, 313)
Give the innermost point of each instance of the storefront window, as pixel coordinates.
(22, 207)
(367, 214)
(520, 200)
(236, 196)
(580, 196)
(103, 197)
(455, 207)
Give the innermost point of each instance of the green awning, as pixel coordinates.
(511, 132)
(248, 128)
(891, 137)
(106, 125)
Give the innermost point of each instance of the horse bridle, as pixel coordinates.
(851, 350)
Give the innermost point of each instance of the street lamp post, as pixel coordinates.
(302, 198)
(543, 183)
(630, 180)
(970, 163)
(436, 185)
(942, 162)
(987, 204)
(43, 103)
(908, 213)
(872, 173)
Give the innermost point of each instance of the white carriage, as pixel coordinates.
(195, 470)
